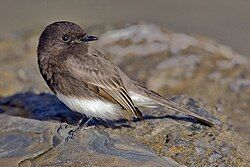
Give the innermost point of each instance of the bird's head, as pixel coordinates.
(62, 36)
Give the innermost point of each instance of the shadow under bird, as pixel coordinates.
(87, 82)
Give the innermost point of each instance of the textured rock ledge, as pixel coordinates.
(27, 142)
(28, 137)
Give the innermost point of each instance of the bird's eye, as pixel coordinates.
(65, 38)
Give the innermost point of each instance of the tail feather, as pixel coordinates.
(138, 113)
(158, 99)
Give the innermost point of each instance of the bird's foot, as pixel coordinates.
(81, 125)
(62, 127)
(71, 135)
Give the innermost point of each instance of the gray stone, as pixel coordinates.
(28, 137)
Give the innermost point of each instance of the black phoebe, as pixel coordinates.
(87, 82)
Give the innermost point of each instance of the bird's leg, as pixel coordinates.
(80, 125)
(62, 126)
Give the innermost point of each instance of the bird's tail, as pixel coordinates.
(153, 97)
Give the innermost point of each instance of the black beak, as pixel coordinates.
(88, 38)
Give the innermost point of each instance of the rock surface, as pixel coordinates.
(28, 142)
(167, 62)
(28, 137)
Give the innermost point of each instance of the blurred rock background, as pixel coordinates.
(226, 21)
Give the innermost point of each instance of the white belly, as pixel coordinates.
(92, 107)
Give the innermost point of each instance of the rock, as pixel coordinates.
(27, 142)
(144, 40)
(18, 66)
(28, 136)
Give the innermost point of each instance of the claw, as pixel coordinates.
(68, 138)
(62, 126)
(71, 135)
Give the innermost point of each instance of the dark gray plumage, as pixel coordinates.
(87, 82)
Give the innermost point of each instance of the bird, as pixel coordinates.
(87, 82)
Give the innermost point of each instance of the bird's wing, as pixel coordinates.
(102, 77)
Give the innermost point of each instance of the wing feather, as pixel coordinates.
(99, 72)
